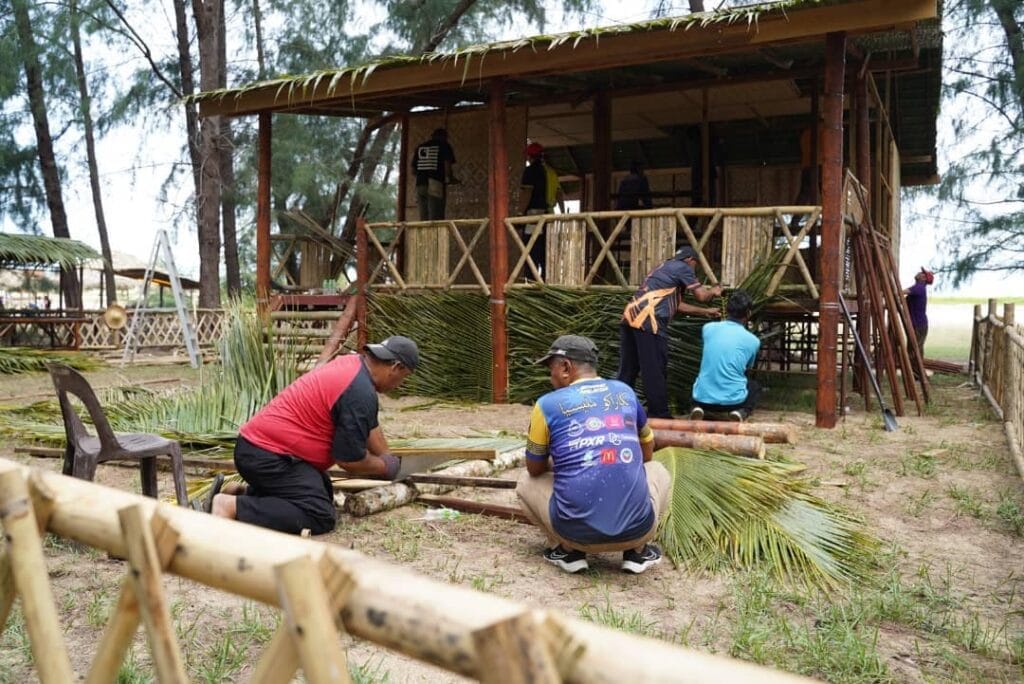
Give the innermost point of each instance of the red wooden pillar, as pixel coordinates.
(362, 275)
(263, 216)
(497, 188)
(831, 223)
(602, 163)
(863, 156)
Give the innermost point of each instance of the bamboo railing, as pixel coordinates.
(997, 367)
(593, 250)
(321, 590)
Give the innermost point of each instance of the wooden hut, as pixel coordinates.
(718, 107)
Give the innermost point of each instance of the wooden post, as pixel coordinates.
(31, 580)
(145, 574)
(602, 162)
(340, 330)
(280, 659)
(497, 185)
(362, 278)
(1010, 390)
(403, 169)
(705, 148)
(307, 614)
(42, 507)
(972, 361)
(831, 228)
(263, 216)
(124, 620)
(510, 653)
(864, 299)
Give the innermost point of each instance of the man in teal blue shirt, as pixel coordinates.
(730, 350)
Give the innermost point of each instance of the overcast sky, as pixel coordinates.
(134, 165)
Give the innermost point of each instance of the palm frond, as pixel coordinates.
(14, 360)
(39, 250)
(729, 510)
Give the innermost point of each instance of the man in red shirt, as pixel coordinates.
(327, 416)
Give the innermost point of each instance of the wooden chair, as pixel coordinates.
(84, 452)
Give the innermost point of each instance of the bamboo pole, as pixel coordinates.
(391, 606)
(42, 507)
(481, 507)
(307, 614)
(280, 660)
(124, 620)
(458, 481)
(146, 579)
(340, 330)
(510, 653)
(497, 185)
(742, 445)
(31, 580)
(771, 433)
(263, 248)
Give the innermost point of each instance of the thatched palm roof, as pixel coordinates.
(36, 251)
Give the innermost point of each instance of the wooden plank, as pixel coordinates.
(480, 507)
(510, 653)
(457, 481)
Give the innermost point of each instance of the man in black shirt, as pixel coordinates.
(432, 163)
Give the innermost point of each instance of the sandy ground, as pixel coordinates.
(902, 484)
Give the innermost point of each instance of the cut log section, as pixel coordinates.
(771, 433)
(742, 445)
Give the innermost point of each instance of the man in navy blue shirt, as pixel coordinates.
(643, 332)
(722, 387)
(590, 482)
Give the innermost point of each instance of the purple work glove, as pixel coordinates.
(393, 463)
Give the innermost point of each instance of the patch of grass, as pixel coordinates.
(368, 673)
(1008, 510)
(222, 660)
(632, 621)
(921, 464)
(967, 502)
(859, 470)
(132, 672)
(401, 538)
(916, 505)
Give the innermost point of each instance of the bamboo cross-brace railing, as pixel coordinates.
(454, 230)
(997, 368)
(320, 587)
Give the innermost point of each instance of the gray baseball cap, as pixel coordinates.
(575, 347)
(686, 252)
(396, 348)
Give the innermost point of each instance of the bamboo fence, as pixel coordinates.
(321, 589)
(997, 367)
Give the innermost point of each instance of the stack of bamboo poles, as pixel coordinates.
(321, 589)
(898, 356)
(997, 367)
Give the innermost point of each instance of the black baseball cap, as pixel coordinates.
(575, 347)
(396, 348)
(686, 253)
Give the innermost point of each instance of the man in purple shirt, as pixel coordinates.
(917, 304)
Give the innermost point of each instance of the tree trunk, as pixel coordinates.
(208, 16)
(257, 21)
(226, 149)
(696, 5)
(90, 152)
(44, 144)
(188, 87)
(1014, 44)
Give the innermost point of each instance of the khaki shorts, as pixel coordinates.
(535, 494)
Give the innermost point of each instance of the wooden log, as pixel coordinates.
(31, 580)
(742, 445)
(510, 653)
(390, 605)
(218, 464)
(340, 330)
(356, 484)
(457, 481)
(307, 614)
(481, 507)
(280, 660)
(124, 620)
(147, 582)
(379, 499)
(771, 433)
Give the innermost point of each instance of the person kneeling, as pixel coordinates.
(327, 416)
(730, 350)
(590, 483)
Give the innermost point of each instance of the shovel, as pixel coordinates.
(888, 419)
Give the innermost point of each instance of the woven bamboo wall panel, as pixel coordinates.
(426, 255)
(654, 241)
(758, 186)
(314, 264)
(468, 136)
(566, 253)
(746, 242)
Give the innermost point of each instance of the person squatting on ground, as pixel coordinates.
(643, 331)
(722, 386)
(917, 305)
(432, 163)
(327, 416)
(543, 191)
(590, 483)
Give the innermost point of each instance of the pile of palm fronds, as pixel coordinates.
(15, 360)
(730, 511)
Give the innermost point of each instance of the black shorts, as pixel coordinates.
(284, 493)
